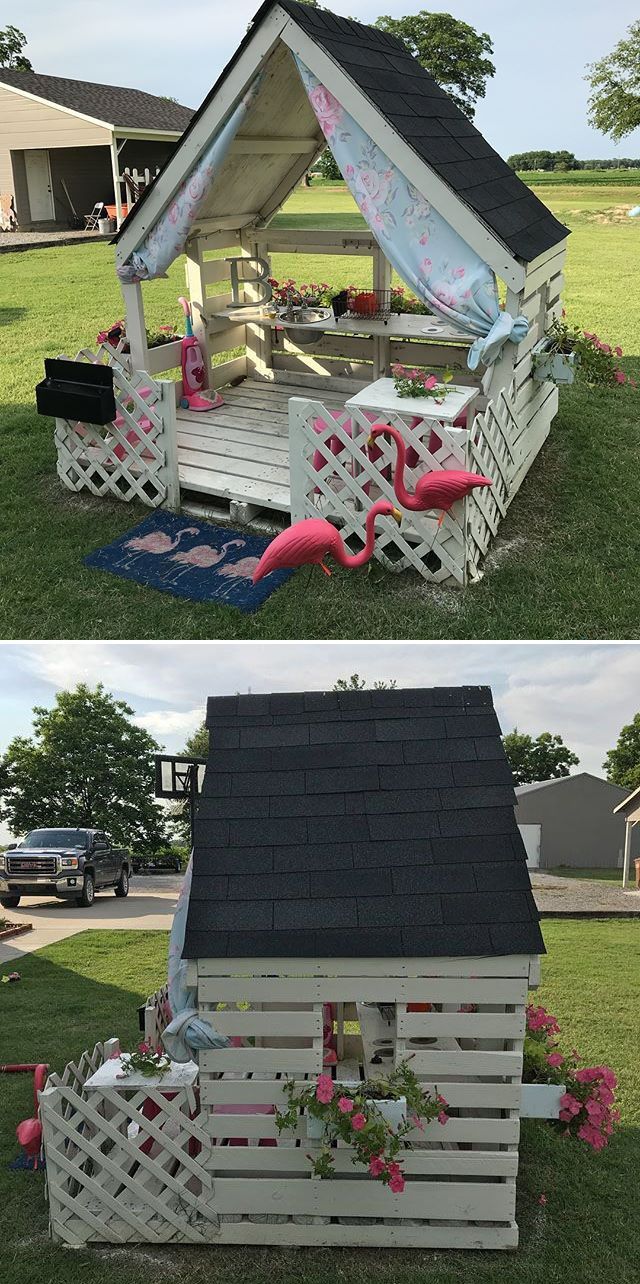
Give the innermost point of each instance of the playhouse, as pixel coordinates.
(442, 210)
(355, 853)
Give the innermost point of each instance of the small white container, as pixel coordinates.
(541, 1100)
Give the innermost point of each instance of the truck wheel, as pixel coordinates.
(88, 893)
(10, 902)
(122, 885)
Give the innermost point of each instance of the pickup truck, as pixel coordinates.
(72, 864)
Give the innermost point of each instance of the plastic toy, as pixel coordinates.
(194, 379)
(438, 490)
(308, 542)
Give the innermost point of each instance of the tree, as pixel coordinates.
(197, 746)
(86, 764)
(545, 758)
(455, 54)
(356, 683)
(12, 42)
(614, 102)
(622, 764)
(328, 165)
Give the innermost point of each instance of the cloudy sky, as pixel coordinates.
(584, 691)
(537, 98)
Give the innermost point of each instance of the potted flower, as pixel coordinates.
(566, 351)
(146, 1060)
(419, 383)
(558, 1087)
(373, 1118)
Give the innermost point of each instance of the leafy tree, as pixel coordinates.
(197, 746)
(86, 764)
(622, 764)
(544, 758)
(455, 54)
(12, 42)
(356, 683)
(614, 103)
(328, 165)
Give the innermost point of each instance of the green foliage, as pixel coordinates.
(328, 165)
(150, 1062)
(455, 54)
(197, 746)
(622, 763)
(614, 102)
(12, 42)
(596, 361)
(356, 683)
(86, 764)
(545, 758)
(544, 160)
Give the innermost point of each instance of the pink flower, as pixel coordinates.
(431, 381)
(458, 272)
(443, 1117)
(145, 1047)
(554, 1059)
(542, 1200)
(620, 376)
(376, 1165)
(327, 109)
(345, 1105)
(570, 1104)
(417, 1122)
(358, 1122)
(397, 1183)
(618, 351)
(324, 1089)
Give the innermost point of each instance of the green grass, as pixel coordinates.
(599, 875)
(565, 565)
(582, 177)
(88, 987)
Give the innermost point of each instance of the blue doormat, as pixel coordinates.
(191, 559)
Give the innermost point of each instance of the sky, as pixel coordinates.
(584, 691)
(538, 97)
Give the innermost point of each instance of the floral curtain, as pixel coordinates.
(187, 1032)
(168, 236)
(425, 251)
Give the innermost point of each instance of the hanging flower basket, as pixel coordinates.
(552, 366)
(541, 1100)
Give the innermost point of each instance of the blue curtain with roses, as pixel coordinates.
(425, 251)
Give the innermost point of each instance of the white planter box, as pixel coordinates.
(556, 367)
(395, 1113)
(541, 1100)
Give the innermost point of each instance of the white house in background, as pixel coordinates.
(572, 821)
(629, 811)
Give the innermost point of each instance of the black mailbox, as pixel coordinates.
(77, 390)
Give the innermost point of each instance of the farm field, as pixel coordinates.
(584, 1230)
(566, 562)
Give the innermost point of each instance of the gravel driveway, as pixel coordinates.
(558, 895)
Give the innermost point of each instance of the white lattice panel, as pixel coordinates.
(133, 458)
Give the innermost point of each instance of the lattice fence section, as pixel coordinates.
(133, 458)
(334, 473)
(157, 1015)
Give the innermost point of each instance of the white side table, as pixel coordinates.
(382, 396)
(110, 1076)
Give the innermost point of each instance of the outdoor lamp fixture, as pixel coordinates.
(180, 778)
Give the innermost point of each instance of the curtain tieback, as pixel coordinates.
(487, 348)
(188, 1033)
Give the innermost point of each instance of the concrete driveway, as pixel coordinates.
(150, 904)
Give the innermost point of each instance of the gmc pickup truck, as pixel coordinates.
(72, 864)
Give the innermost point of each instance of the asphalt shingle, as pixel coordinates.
(393, 834)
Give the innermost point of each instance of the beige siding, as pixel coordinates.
(25, 122)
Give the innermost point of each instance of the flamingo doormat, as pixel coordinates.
(191, 559)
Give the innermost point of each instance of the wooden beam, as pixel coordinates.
(226, 223)
(115, 169)
(468, 224)
(229, 91)
(136, 331)
(288, 183)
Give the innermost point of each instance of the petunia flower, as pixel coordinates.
(324, 1089)
(358, 1122)
(376, 1166)
(345, 1105)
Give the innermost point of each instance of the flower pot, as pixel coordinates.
(553, 367)
(541, 1100)
(394, 1112)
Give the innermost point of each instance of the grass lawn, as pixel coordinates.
(89, 987)
(598, 875)
(566, 562)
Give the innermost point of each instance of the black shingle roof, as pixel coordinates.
(125, 108)
(424, 115)
(358, 824)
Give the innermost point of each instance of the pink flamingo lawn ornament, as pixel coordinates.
(438, 490)
(158, 541)
(308, 542)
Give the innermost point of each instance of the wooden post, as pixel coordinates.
(381, 344)
(628, 826)
(196, 290)
(136, 332)
(167, 405)
(115, 167)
